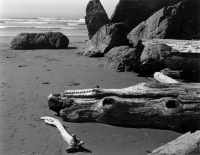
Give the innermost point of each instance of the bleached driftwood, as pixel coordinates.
(183, 46)
(174, 106)
(164, 78)
(183, 145)
(184, 57)
(73, 142)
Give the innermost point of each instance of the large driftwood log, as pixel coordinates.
(185, 144)
(154, 105)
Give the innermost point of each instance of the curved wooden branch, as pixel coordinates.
(73, 142)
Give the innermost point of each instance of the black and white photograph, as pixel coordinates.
(100, 77)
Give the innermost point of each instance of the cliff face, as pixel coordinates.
(133, 12)
(180, 21)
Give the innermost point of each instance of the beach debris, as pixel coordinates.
(74, 143)
(164, 78)
(170, 105)
(22, 65)
(185, 144)
(74, 84)
(46, 83)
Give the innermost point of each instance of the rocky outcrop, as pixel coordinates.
(157, 56)
(124, 58)
(109, 36)
(49, 40)
(96, 17)
(121, 58)
(180, 21)
(153, 56)
(133, 12)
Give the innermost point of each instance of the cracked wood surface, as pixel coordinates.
(154, 105)
(186, 144)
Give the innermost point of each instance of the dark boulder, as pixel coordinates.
(180, 21)
(153, 57)
(124, 58)
(133, 12)
(96, 17)
(49, 40)
(109, 36)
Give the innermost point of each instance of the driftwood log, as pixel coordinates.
(183, 145)
(182, 57)
(174, 106)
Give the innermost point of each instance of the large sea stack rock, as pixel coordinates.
(133, 12)
(181, 21)
(96, 17)
(109, 36)
(124, 58)
(49, 40)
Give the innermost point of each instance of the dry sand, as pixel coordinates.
(27, 77)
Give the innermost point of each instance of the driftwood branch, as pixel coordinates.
(73, 142)
(185, 144)
(163, 78)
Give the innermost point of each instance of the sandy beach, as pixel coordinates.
(27, 77)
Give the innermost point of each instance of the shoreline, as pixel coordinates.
(27, 77)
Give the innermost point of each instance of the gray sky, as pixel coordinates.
(50, 8)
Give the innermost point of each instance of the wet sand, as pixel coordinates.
(27, 77)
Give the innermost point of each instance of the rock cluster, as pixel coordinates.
(145, 20)
(49, 40)
(125, 58)
(96, 17)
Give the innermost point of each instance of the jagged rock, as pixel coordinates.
(124, 58)
(109, 36)
(133, 12)
(96, 17)
(153, 56)
(49, 40)
(180, 21)
(121, 58)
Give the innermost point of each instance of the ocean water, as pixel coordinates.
(69, 27)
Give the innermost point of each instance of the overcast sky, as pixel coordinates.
(50, 8)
